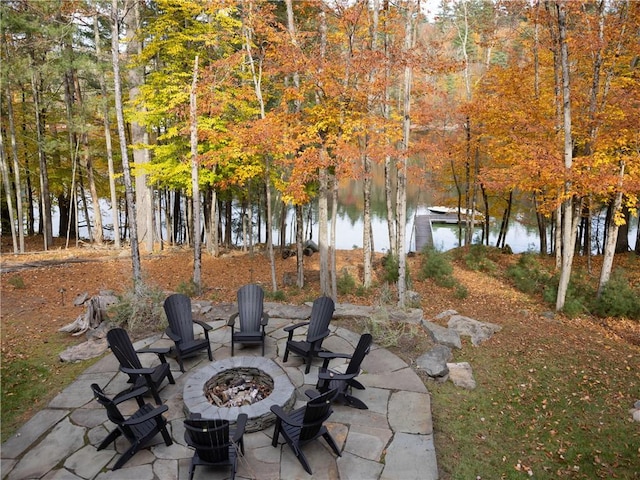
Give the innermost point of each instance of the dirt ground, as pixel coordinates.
(38, 289)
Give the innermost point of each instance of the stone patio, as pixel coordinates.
(393, 439)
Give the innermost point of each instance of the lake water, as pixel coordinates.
(521, 237)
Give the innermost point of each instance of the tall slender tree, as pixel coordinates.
(126, 169)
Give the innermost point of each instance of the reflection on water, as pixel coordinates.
(520, 237)
(445, 236)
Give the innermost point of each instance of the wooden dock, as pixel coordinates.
(423, 227)
(424, 232)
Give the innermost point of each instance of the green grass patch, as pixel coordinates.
(31, 379)
(546, 415)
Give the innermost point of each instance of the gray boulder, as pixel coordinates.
(434, 362)
(478, 331)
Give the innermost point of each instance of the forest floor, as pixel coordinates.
(38, 289)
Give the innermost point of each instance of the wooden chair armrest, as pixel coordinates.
(137, 371)
(205, 326)
(241, 423)
(291, 328)
(129, 394)
(156, 412)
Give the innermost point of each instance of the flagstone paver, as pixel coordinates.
(393, 439)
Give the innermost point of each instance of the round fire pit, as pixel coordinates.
(207, 389)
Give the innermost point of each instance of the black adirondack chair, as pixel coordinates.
(317, 331)
(180, 330)
(139, 429)
(305, 424)
(152, 377)
(251, 315)
(214, 442)
(343, 383)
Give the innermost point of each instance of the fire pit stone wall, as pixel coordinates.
(259, 413)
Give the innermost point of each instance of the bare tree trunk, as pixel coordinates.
(139, 134)
(568, 237)
(323, 234)
(299, 250)
(45, 197)
(323, 193)
(256, 74)
(388, 163)
(297, 106)
(612, 236)
(107, 138)
(8, 191)
(195, 180)
(367, 248)
(401, 203)
(16, 171)
(332, 250)
(131, 206)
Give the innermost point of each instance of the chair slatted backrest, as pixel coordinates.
(361, 351)
(121, 346)
(250, 307)
(178, 310)
(317, 411)
(113, 413)
(321, 314)
(210, 438)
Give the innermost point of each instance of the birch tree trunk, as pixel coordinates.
(567, 204)
(611, 236)
(256, 74)
(115, 219)
(323, 234)
(388, 163)
(195, 180)
(367, 250)
(8, 191)
(323, 238)
(401, 203)
(45, 196)
(131, 206)
(297, 106)
(16, 171)
(97, 232)
(332, 250)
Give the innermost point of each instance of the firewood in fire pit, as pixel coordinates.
(237, 392)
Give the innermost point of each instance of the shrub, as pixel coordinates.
(437, 266)
(618, 299)
(461, 292)
(17, 282)
(579, 291)
(478, 259)
(346, 283)
(391, 272)
(528, 275)
(278, 295)
(434, 264)
(188, 288)
(140, 310)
